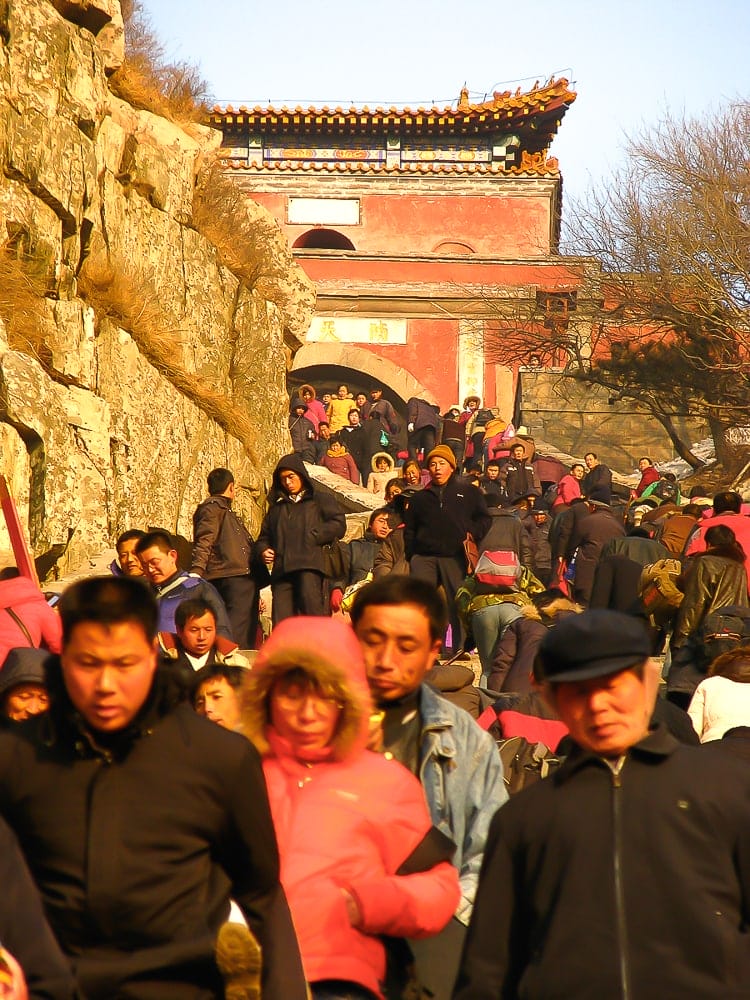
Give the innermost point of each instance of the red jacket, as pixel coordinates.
(649, 475)
(568, 489)
(346, 823)
(43, 624)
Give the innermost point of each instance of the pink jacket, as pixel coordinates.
(567, 490)
(42, 623)
(348, 822)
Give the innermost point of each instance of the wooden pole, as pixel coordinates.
(24, 560)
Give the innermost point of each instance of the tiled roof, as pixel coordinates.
(544, 104)
(531, 165)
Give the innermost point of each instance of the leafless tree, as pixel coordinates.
(662, 318)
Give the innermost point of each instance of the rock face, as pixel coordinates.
(134, 355)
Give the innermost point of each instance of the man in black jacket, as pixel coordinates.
(437, 522)
(627, 872)
(597, 483)
(299, 523)
(222, 553)
(139, 819)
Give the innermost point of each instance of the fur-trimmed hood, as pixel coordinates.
(385, 455)
(327, 650)
(549, 612)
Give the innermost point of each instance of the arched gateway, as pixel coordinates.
(326, 365)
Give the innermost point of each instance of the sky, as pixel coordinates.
(630, 63)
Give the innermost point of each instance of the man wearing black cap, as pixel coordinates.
(627, 872)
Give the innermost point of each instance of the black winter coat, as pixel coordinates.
(437, 520)
(24, 931)
(595, 886)
(593, 532)
(137, 844)
(597, 484)
(298, 531)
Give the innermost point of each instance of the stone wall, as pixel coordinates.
(132, 358)
(577, 418)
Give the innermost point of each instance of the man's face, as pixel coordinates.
(290, 481)
(129, 562)
(397, 648)
(493, 471)
(198, 634)
(578, 472)
(300, 411)
(606, 715)
(517, 452)
(326, 398)
(643, 464)
(218, 701)
(158, 566)
(353, 418)
(590, 461)
(440, 470)
(324, 431)
(380, 526)
(108, 671)
(375, 394)
(25, 700)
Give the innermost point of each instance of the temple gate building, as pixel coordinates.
(428, 232)
(409, 220)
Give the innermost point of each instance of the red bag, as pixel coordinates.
(498, 568)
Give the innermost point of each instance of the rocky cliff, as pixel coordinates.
(146, 312)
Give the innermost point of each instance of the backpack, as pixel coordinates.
(550, 494)
(658, 588)
(498, 568)
(664, 491)
(525, 763)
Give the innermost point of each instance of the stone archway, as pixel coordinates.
(314, 359)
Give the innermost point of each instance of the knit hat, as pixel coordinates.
(442, 451)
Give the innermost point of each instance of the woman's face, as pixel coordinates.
(303, 716)
(412, 475)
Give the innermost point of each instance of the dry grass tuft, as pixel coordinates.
(22, 287)
(148, 80)
(131, 300)
(249, 242)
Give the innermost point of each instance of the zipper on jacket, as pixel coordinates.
(622, 937)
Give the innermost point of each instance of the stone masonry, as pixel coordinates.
(133, 359)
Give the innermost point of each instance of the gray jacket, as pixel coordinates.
(462, 777)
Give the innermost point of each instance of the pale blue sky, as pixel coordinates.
(629, 62)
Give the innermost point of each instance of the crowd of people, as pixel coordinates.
(193, 807)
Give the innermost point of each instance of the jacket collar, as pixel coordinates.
(656, 745)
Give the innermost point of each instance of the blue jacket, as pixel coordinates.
(184, 587)
(462, 776)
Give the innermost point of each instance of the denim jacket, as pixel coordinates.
(462, 777)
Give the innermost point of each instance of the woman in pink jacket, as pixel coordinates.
(359, 855)
(25, 617)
